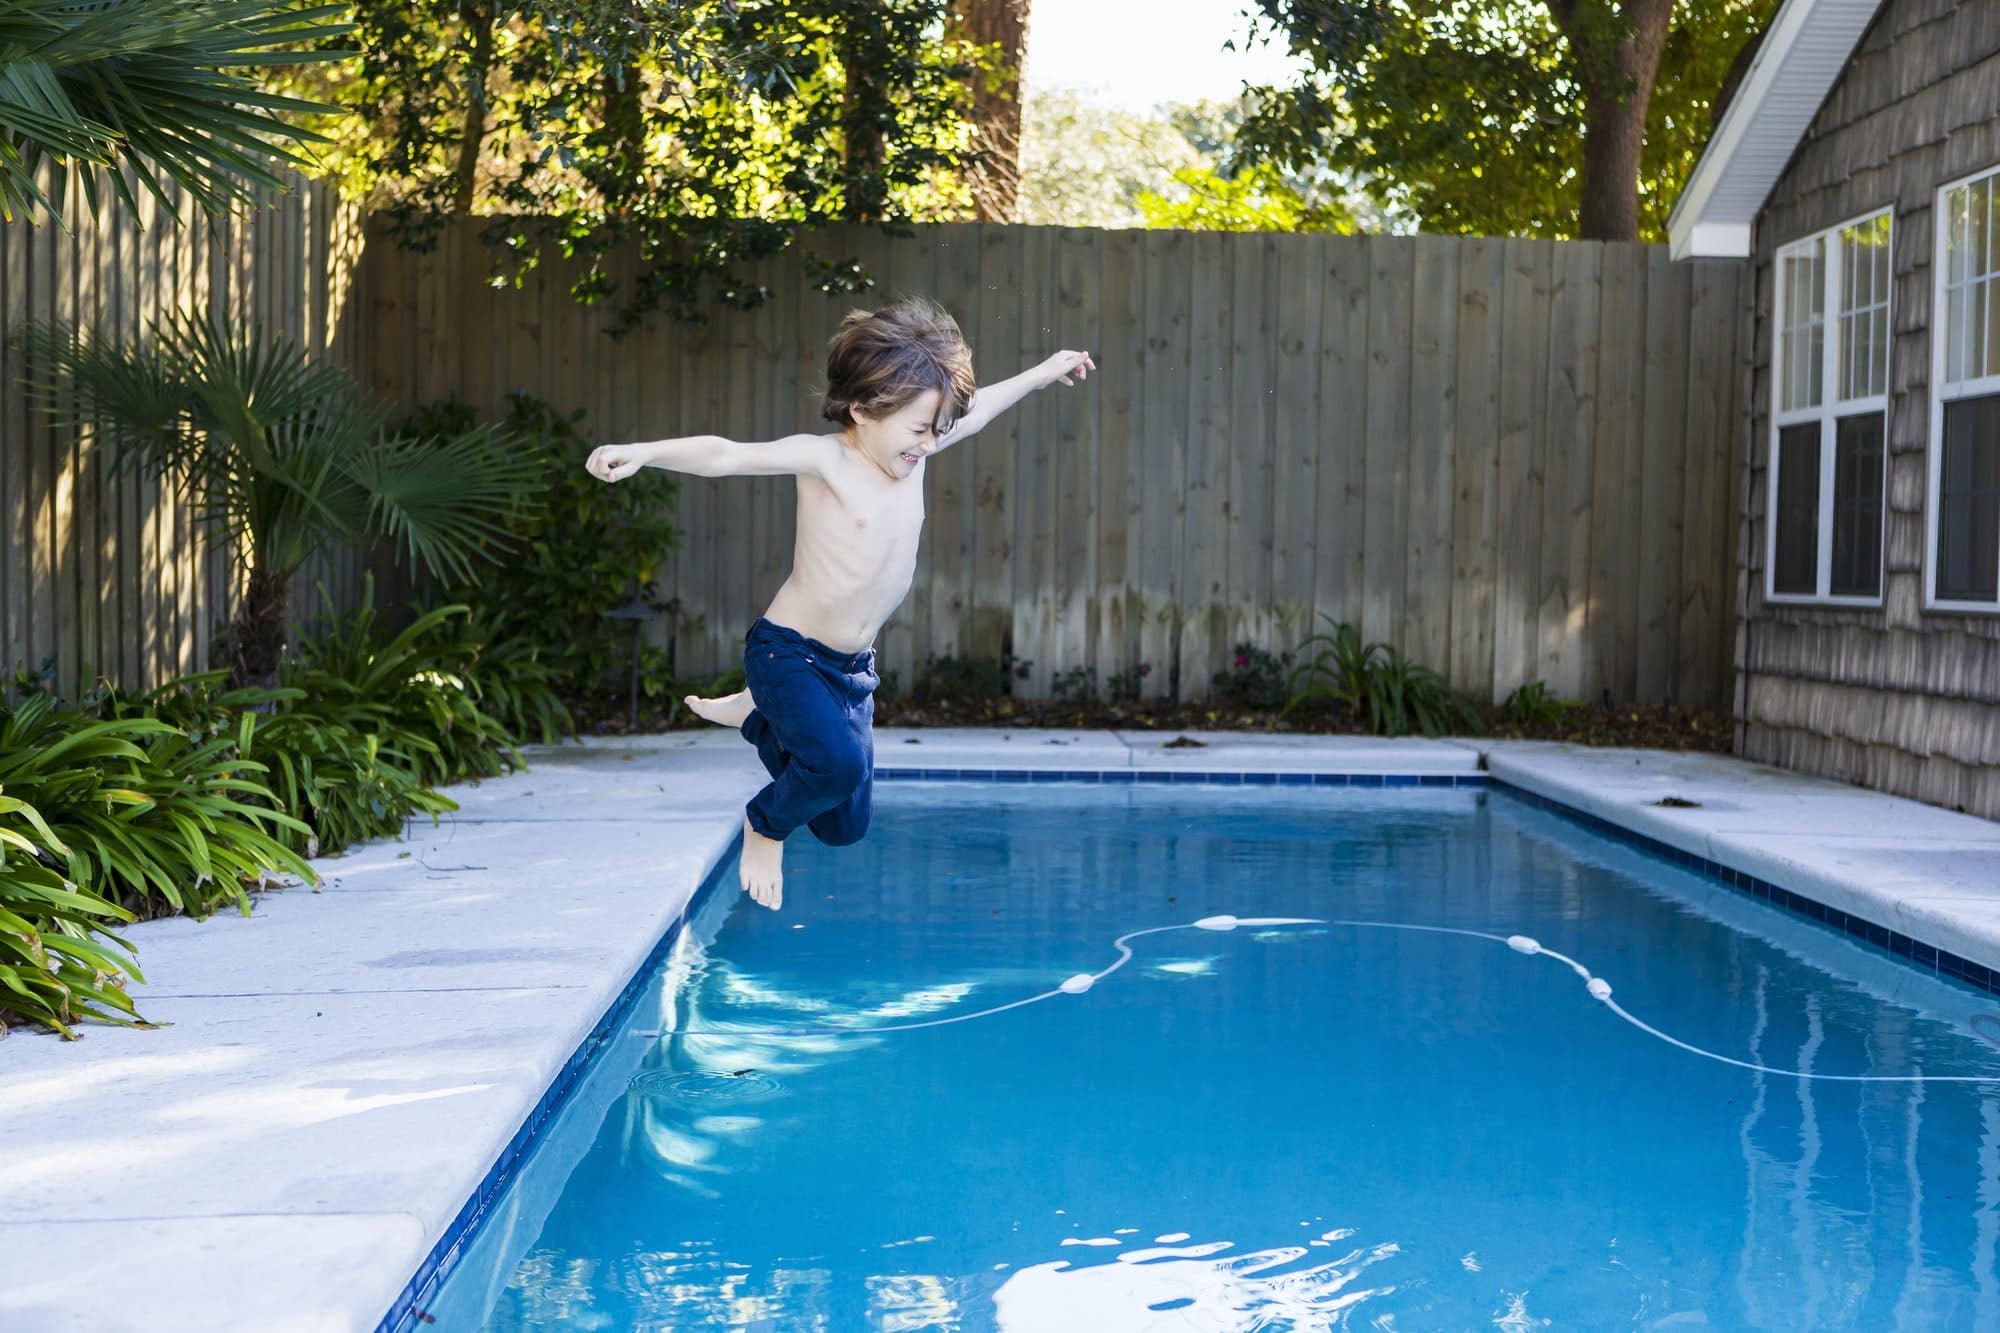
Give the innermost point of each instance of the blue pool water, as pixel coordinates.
(1265, 1128)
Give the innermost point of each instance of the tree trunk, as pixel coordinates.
(260, 630)
(1618, 87)
(996, 102)
(480, 20)
(861, 122)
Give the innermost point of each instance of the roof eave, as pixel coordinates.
(1772, 110)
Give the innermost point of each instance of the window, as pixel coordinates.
(1965, 417)
(1830, 402)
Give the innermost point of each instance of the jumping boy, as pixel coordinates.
(899, 382)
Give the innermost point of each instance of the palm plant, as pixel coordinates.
(279, 457)
(151, 90)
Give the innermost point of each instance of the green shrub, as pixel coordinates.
(1122, 687)
(1533, 706)
(52, 970)
(107, 814)
(1376, 684)
(971, 678)
(1255, 679)
(584, 550)
(1078, 685)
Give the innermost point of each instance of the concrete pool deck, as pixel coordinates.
(345, 1065)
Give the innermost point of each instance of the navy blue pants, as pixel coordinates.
(814, 728)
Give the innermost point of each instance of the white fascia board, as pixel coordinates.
(1808, 45)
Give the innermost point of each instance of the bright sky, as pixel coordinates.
(1138, 53)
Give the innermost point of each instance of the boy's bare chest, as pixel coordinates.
(874, 523)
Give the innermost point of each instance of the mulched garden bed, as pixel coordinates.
(1643, 727)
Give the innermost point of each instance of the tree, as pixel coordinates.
(1572, 118)
(997, 31)
(700, 134)
(279, 456)
(148, 94)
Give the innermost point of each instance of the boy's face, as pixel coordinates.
(898, 442)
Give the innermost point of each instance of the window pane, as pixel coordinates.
(1954, 233)
(1969, 502)
(1857, 506)
(1990, 327)
(1977, 202)
(1796, 572)
(1954, 335)
(1975, 341)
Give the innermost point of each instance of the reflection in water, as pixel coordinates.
(1189, 1289)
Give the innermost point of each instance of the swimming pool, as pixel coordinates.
(1268, 1127)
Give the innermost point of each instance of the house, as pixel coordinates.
(1857, 169)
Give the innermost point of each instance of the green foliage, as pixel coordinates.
(1532, 706)
(1122, 687)
(104, 811)
(1468, 115)
(1375, 683)
(1078, 685)
(1258, 198)
(700, 135)
(966, 678)
(150, 95)
(53, 969)
(415, 694)
(585, 549)
(1255, 678)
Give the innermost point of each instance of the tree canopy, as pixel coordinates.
(1473, 116)
(707, 133)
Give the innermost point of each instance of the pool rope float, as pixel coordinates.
(1082, 982)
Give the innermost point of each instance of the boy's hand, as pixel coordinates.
(615, 462)
(1059, 368)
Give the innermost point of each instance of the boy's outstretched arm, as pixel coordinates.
(713, 456)
(990, 400)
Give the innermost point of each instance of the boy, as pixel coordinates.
(899, 382)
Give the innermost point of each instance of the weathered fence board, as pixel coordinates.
(1511, 458)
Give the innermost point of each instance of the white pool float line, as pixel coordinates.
(1598, 987)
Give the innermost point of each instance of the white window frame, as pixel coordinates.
(1981, 387)
(1830, 410)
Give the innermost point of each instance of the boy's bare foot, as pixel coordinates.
(762, 868)
(725, 710)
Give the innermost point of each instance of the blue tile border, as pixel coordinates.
(1898, 945)
(407, 1314)
(1182, 777)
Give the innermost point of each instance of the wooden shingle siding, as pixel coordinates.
(1514, 459)
(1895, 697)
(109, 574)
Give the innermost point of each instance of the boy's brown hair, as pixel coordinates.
(882, 360)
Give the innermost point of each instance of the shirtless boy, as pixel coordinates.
(899, 382)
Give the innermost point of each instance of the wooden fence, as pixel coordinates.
(108, 573)
(1513, 459)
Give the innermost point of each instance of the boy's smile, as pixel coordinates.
(898, 442)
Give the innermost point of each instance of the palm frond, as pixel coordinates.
(446, 503)
(149, 89)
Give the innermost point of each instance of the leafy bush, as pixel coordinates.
(1533, 706)
(1255, 679)
(107, 814)
(972, 677)
(1375, 683)
(1122, 687)
(1078, 685)
(51, 969)
(585, 549)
